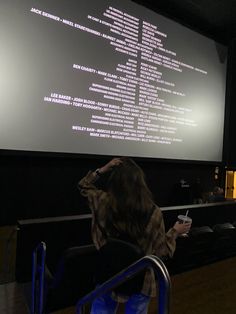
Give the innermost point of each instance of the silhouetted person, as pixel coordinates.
(217, 195)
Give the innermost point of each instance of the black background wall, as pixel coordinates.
(230, 131)
(34, 186)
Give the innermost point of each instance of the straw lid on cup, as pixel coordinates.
(184, 218)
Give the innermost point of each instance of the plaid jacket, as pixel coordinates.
(156, 240)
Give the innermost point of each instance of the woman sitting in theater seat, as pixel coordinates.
(128, 208)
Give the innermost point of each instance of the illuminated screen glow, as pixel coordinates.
(108, 78)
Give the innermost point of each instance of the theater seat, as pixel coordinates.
(203, 239)
(193, 251)
(225, 245)
(115, 256)
(80, 269)
(179, 262)
(224, 227)
(73, 278)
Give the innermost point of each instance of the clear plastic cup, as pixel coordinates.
(184, 219)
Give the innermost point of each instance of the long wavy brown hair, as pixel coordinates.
(131, 200)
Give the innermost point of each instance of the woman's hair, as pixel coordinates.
(132, 201)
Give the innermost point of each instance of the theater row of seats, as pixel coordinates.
(203, 245)
(74, 275)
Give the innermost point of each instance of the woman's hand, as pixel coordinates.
(182, 227)
(110, 165)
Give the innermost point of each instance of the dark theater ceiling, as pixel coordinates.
(213, 18)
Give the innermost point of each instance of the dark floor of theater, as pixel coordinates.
(210, 289)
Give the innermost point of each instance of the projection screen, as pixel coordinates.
(108, 78)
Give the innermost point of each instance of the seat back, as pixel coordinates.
(224, 228)
(73, 278)
(226, 239)
(193, 251)
(203, 240)
(80, 269)
(115, 256)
